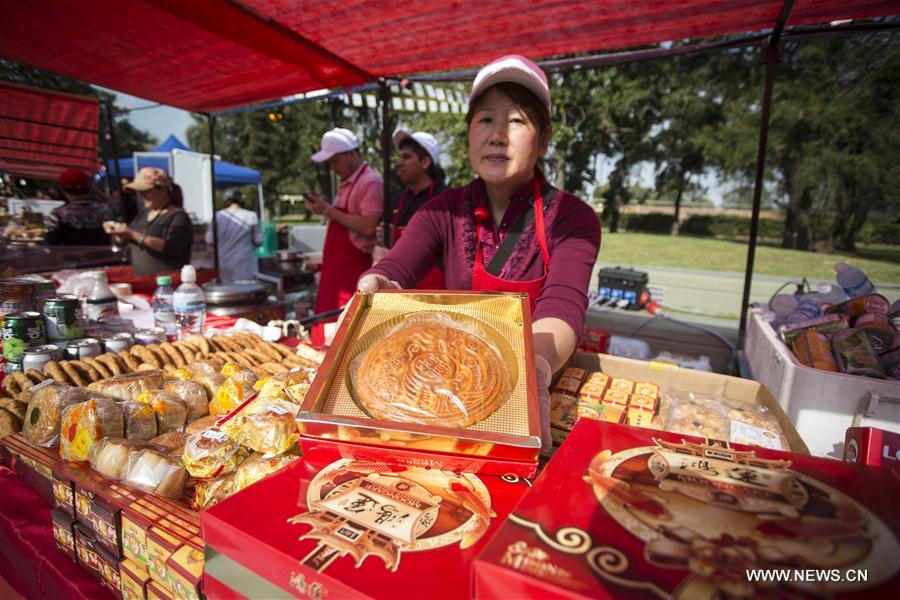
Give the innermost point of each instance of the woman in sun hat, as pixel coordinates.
(508, 230)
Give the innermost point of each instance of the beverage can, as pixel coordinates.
(78, 349)
(37, 357)
(61, 318)
(860, 305)
(813, 350)
(118, 342)
(878, 329)
(154, 335)
(854, 354)
(20, 332)
(824, 324)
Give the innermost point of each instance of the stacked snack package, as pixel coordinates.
(171, 411)
(140, 421)
(211, 453)
(84, 423)
(237, 387)
(43, 419)
(130, 386)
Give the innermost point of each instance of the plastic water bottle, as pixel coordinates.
(163, 310)
(853, 280)
(828, 293)
(189, 303)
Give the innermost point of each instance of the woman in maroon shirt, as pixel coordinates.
(554, 236)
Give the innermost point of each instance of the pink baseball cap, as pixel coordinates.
(515, 69)
(149, 178)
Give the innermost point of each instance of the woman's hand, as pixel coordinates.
(373, 283)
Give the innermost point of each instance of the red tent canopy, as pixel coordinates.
(42, 133)
(206, 55)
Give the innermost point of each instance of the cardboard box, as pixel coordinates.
(135, 523)
(109, 572)
(105, 519)
(64, 493)
(356, 529)
(64, 532)
(160, 546)
(505, 441)
(86, 548)
(873, 446)
(185, 570)
(155, 591)
(629, 512)
(668, 377)
(133, 579)
(83, 498)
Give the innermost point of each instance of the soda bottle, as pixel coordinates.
(189, 303)
(163, 310)
(853, 280)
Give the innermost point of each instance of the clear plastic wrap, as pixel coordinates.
(239, 374)
(41, 425)
(201, 424)
(194, 396)
(171, 411)
(84, 423)
(264, 426)
(695, 414)
(172, 442)
(258, 466)
(130, 386)
(210, 453)
(211, 382)
(109, 456)
(291, 386)
(230, 395)
(210, 492)
(431, 369)
(140, 421)
(157, 472)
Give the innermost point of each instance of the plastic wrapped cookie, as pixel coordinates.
(84, 423)
(194, 396)
(140, 421)
(41, 425)
(258, 466)
(171, 411)
(211, 453)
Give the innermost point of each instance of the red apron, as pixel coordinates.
(433, 279)
(482, 281)
(342, 266)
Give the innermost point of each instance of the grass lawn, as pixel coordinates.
(880, 263)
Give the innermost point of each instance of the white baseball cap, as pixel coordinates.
(334, 142)
(515, 69)
(426, 140)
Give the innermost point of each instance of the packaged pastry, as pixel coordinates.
(41, 424)
(212, 491)
(644, 402)
(171, 412)
(291, 386)
(615, 397)
(201, 424)
(693, 414)
(229, 396)
(243, 376)
(205, 366)
(172, 442)
(210, 453)
(591, 391)
(211, 382)
(598, 378)
(194, 396)
(567, 385)
(431, 369)
(84, 423)
(129, 386)
(258, 466)
(109, 456)
(264, 426)
(155, 471)
(140, 420)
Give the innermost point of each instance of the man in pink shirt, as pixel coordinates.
(352, 218)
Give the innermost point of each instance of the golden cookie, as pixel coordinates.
(9, 423)
(131, 361)
(16, 407)
(35, 376)
(145, 356)
(73, 373)
(174, 354)
(112, 363)
(102, 369)
(146, 367)
(160, 354)
(274, 368)
(87, 372)
(53, 370)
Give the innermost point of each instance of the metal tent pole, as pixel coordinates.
(772, 51)
(386, 159)
(212, 189)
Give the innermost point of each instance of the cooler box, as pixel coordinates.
(821, 405)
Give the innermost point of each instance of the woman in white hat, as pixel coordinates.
(509, 229)
(419, 168)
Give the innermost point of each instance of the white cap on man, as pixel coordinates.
(515, 69)
(334, 142)
(426, 140)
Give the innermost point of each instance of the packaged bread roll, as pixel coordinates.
(258, 466)
(211, 383)
(210, 453)
(84, 423)
(129, 386)
(172, 442)
(194, 396)
(109, 456)
(140, 421)
(212, 491)
(171, 412)
(154, 471)
(47, 400)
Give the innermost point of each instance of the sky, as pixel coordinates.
(160, 121)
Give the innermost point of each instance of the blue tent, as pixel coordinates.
(227, 174)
